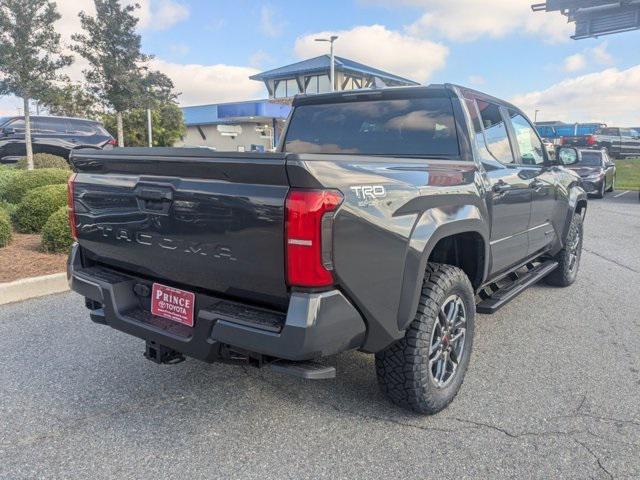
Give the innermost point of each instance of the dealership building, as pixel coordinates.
(257, 125)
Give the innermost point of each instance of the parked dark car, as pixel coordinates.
(618, 142)
(55, 135)
(597, 171)
(386, 219)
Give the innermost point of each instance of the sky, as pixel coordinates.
(210, 47)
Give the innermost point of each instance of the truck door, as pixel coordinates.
(509, 196)
(541, 178)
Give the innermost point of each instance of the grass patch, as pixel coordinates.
(628, 174)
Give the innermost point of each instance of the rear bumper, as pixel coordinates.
(315, 324)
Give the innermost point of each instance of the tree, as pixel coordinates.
(30, 53)
(70, 100)
(112, 47)
(167, 120)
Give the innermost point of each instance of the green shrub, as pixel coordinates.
(56, 234)
(37, 206)
(7, 175)
(44, 160)
(29, 179)
(5, 229)
(8, 208)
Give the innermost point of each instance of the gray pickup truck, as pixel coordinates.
(386, 219)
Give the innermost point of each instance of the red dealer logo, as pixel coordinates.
(174, 304)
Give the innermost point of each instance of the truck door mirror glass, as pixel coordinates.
(567, 156)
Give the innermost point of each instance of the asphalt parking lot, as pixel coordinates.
(553, 390)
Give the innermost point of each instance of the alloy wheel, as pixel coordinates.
(447, 345)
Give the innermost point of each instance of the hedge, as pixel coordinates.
(56, 234)
(29, 179)
(37, 206)
(5, 229)
(8, 208)
(7, 175)
(44, 160)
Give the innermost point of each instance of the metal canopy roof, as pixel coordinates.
(323, 63)
(594, 18)
(221, 113)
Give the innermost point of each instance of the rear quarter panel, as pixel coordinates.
(382, 240)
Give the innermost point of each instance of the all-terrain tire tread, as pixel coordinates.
(401, 367)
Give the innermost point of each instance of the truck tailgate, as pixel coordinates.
(192, 218)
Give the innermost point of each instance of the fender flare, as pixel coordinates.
(577, 196)
(430, 228)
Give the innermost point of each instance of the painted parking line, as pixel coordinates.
(620, 194)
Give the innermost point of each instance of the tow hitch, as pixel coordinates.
(162, 355)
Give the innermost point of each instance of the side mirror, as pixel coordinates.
(567, 156)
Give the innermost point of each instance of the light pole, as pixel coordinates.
(332, 77)
(149, 128)
(535, 116)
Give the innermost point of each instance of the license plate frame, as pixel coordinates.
(173, 304)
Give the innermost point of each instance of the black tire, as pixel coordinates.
(613, 184)
(569, 257)
(405, 369)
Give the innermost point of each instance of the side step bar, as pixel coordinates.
(521, 281)
(308, 370)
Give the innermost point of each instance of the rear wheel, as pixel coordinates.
(424, 370)
(569, 257)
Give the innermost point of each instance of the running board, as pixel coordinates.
(308, 370)
(521, 281)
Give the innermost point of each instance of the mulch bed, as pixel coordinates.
(22, 258)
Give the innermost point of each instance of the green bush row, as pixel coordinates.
(19, 184)
(37, 206)
(5, 228)
(56, 233)
(44, 160)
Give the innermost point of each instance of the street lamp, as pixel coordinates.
(535, 116)
(332, 77)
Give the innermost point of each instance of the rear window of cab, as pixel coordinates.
(412, 127)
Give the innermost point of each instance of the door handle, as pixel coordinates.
(536, 185)
(501, 187)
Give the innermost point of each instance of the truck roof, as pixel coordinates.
(434, 89)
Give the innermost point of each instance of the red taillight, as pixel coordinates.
(309, 225)
(591, 140)
(71, 207)
(561, 140)
(112, 141)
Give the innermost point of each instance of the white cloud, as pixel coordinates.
(596, 56)
(9, 105)
(467, 20)
(477, 80)
(611, 96)
(200, 84)
(574, 63)
(259, 58)
(375, 45)
(160, 14)
(152, 14)
(270, 25)
(180, 48)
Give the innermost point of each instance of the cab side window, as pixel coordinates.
(531, 148)
(495, 132)
(17, 125)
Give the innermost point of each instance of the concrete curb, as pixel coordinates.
(33, 287)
